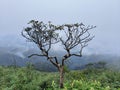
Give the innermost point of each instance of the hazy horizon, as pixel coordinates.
(104, 14)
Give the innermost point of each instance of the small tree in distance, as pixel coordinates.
(70, 36)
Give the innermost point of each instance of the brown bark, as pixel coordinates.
(61, 71)
(46, 35)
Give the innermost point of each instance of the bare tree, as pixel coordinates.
(69, 36)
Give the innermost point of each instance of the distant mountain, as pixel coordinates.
(111, 61)
(19, 56)
(7, 58)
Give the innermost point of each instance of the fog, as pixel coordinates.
(105, 14)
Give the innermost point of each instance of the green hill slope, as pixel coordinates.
(26, 78)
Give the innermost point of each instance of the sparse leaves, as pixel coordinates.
(46, 35)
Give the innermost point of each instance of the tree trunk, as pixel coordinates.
(61, 71)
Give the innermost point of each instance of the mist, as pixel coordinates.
(104, 14)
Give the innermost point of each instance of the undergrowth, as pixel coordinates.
(26, 78)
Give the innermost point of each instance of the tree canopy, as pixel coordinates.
(69, 36)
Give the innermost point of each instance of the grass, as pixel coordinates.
(26, 78)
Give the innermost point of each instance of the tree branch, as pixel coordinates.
(45, 35)
(35, 55)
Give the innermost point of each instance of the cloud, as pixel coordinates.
(15, 14)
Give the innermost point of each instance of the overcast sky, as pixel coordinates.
(105, 14)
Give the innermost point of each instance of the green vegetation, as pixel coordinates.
(26, 78)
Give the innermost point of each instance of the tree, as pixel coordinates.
(70, 36)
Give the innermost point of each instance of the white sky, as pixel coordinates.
(105, 14)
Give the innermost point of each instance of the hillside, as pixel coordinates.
(26, 78)
(19, 56)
